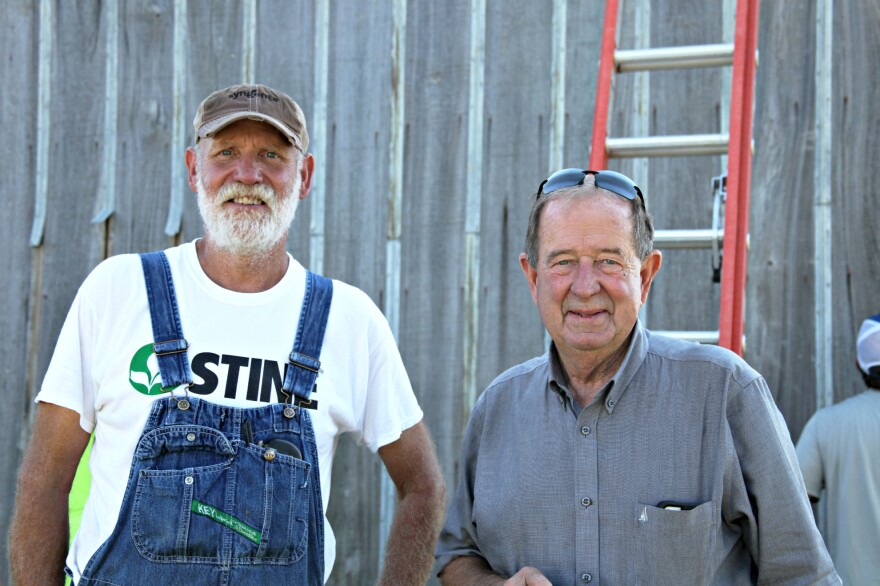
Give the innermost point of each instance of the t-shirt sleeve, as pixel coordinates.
(68, 380)
(391, 405)
(810, 457)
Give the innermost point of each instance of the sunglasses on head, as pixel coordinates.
(611, 180)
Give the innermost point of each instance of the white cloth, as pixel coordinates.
(234, 340)
(838, 451)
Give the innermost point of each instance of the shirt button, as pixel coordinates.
(586, 502)
(585, 430)
(586, 578)
(191, 436)
(610, 403)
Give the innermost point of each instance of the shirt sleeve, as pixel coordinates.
(68, 380)
(391, 406)
(810, 457)
(459, 535)
(776, 518)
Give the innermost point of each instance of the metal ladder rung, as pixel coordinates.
(668, 146)
(708, 337)
(687, 57)
(688, 239)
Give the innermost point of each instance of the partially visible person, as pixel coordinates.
(622, 456)
(198, 371)
(839, 454)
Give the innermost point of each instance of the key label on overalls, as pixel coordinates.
(236, 525)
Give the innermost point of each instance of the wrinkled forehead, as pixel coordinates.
(591, 213)
(250, 130)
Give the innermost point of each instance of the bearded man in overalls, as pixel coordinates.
(197, 371)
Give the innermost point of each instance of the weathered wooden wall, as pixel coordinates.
(477, 129)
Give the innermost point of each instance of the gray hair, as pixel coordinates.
(643, 223)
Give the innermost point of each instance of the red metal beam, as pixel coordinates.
(598, 155)
(739, 172)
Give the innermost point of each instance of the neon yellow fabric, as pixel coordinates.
(79, 492)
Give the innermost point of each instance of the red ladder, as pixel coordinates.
(742, 54)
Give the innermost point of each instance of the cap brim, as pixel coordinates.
(208, 129)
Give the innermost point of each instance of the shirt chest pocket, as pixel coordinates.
(675, 546)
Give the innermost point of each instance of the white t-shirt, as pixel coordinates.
(838, 451)
(238, 343)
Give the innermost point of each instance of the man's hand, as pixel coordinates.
(528, 576)
(412, 465)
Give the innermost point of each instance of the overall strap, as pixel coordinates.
(303, 366)
(168, 342)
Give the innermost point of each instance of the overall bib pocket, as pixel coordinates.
(198, 499)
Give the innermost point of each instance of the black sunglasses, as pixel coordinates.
(611, 180)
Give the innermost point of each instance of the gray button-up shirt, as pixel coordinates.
(681, 471)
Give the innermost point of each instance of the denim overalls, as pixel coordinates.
(219, 495)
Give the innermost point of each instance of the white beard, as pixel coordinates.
(240, 232)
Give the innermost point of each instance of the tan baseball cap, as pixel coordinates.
(253, 102)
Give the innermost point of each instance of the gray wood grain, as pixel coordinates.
(516, 134)
(145, 128)
(435, 198)
(356, 212)
(856, 246)
(780, 297)
(18, 46)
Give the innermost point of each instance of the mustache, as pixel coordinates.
(232, 190)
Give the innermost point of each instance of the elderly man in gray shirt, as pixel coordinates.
(622, 456)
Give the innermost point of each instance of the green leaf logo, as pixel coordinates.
(140, 376)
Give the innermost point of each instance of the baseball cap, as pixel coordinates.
(868, 344)
(253, 102)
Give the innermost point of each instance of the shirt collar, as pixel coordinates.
(613, 390)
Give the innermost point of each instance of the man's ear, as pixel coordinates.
(306, 172)
(530, 274)
(650, 267)
(191, 165)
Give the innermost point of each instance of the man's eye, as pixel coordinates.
(226, 152)
(272, 155)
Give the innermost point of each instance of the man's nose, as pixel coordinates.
(585, 280)
(248, 171)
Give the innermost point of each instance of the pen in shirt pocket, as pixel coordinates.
(674, 506)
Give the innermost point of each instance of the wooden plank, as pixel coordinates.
(434, 217)
(516, 135)
(359, 97)
(779, 301)
(18, 45)
(146, 109)
(856, 215)
(356, 215)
